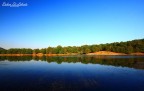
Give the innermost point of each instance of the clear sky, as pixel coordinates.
(46, 23)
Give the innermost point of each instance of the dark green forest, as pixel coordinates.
(120, 47)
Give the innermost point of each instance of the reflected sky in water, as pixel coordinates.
(41, 75)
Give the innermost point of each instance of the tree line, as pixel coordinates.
(121, 47)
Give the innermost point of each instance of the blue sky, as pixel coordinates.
(46, 23)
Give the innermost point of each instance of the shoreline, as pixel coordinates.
(100, 53)
(37, 54)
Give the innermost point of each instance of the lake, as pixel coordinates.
(72, 73)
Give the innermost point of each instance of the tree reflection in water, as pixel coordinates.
(123, 61)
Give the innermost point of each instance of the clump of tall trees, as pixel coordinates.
(121, 47)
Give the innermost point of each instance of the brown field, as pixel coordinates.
(106, 53)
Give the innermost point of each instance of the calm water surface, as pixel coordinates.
(82, 73)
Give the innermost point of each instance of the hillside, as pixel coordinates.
(135, 47)
(1, 48)
(106, 53)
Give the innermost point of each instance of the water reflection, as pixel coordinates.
(123, 61)
(71, 73)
